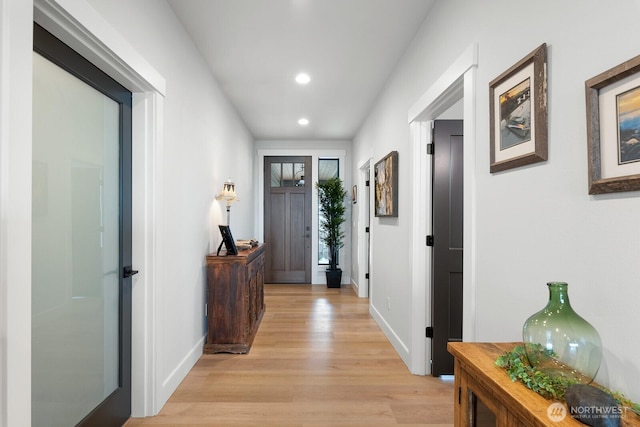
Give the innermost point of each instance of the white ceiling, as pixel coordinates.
(255, 48)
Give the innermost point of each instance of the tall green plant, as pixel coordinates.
(332, 194)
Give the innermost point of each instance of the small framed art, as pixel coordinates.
(386, 185)
(518, 113)
(613, 128)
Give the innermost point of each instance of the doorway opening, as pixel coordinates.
(457, 83)
(337, 151)
(81, 237)
(361, 196)
(287, 219)
(90, 36)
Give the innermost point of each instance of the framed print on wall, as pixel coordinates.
(386, 185)
(613, 128)
(518, 113)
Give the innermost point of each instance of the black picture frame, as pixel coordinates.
(386, 186)
(227, 240)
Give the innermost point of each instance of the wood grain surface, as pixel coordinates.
(318, 360)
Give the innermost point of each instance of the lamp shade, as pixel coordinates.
(228, 192)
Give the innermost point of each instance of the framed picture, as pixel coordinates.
(227, 240)
(613, 129)
(386, 185)
(518, 113)
(354, 194)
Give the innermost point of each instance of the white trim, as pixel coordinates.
(4, 193)
(457, 82)
(147, 254)
(16, 47)
(364, 195)
(470, 207)
(173, 380)
(77, 24)
(447, 89)
(81, 27)
(421, 264)
(401, 348)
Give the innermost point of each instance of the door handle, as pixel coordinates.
(128, 272)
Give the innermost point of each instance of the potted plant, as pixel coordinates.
(332, 208)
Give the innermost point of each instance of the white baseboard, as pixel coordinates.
(173, 380)
(396, 342)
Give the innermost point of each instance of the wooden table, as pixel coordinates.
(484, 393)
(235, 300)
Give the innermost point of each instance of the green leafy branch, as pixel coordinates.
(517, 365)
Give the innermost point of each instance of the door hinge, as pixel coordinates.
(366, 229)
(429, 332)
(430, 240)
(430, 148)
(459, 395)
(366, 275)
(366, 183)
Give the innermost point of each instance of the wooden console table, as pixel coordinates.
(485, 395)
(235, 300)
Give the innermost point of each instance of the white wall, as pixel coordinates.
(203, 141)
(534, 224)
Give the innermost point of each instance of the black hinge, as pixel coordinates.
(429, 332)
(366, 183)
(430, 240)
(366, 275)
(459, 395)
(366, 229)
(430, 148)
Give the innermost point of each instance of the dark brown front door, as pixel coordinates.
(287, 219)
(447, 238)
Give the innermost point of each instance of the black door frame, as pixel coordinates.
(116, 408)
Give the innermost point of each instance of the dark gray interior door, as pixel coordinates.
(447, 242)
(81, 237)
(287, 219)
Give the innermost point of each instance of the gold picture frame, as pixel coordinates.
(518, 113)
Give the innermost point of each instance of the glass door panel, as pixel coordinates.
(76, 247)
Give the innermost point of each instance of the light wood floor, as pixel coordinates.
(318, 360)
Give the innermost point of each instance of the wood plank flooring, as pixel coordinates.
(318, 360)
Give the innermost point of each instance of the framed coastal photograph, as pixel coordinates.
(613, 128)
(518, 113)
(386, 185)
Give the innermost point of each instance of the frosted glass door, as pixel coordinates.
(76, 247)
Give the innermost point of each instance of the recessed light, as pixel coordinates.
(303, 78)
(303, 122)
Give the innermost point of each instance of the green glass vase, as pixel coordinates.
(559, 342)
